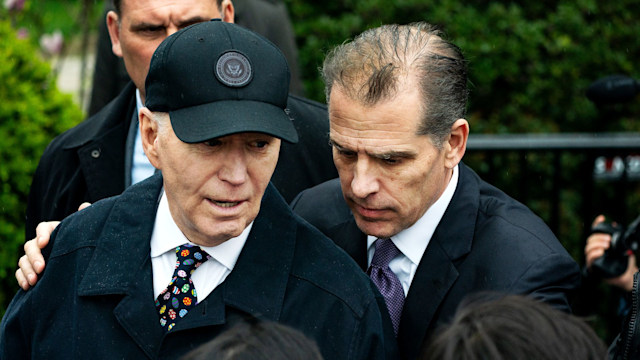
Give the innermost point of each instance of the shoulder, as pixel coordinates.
(81, 228)
(322, 264)
(109, 217)
(322, 205)
(112, 114)
(506, 218)
(303, 109)
(514, 236)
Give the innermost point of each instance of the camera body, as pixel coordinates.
(624, 241)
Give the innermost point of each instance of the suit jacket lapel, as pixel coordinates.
(124, 267)
(437, 272)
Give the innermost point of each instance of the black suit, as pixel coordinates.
(486, 241)
(87, 162)
(95, 298)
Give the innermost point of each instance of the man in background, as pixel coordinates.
(266, 17)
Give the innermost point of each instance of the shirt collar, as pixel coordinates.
(138, 102)
(167, 236)
(413, 241)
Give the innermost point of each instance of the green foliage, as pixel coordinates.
(66, 16)
(32, 112)
(530, 65)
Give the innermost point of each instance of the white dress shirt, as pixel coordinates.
(141, 168)
(167, 236)
(413, 241)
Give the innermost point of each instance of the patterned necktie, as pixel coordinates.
(386, 281)
(180, 296)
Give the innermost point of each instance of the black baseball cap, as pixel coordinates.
(217, 79)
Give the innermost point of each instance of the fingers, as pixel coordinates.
(34, 258)
(32, 262)
(597, 244)
(43, 233)
(625, 281)
(25, 275)
(84, 205)
(598, 220)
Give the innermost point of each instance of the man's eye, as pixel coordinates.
(260, 144)
(213, 142)
(346, 153)
(151, 29)
(390, 160)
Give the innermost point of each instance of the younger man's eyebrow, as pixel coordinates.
(385, 155)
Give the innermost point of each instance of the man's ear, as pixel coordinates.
(149, 133)
(113, 25)
(227, 12)
(456, 144)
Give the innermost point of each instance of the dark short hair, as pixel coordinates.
(514, 327)
(117, 5)
(257, 340)
(368, 69)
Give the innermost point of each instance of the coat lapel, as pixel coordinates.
(437, 273)
(123, 267)
(269, 251)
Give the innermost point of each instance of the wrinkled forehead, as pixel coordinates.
(205, 8)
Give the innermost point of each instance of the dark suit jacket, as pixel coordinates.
(486, 241)
(87, 162)
(95, 299)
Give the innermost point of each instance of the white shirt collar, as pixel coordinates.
(138, 102)
(167, 236)
(413, 241)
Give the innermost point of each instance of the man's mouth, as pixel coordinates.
(225, 204)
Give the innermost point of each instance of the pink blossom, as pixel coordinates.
(22, 33)
(51, 44)
(14, 5)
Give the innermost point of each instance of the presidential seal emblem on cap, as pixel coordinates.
(233, 69)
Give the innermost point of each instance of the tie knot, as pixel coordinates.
(190, 257)
(386, 250)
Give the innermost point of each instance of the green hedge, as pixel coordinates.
(32, 112)
(530, 62)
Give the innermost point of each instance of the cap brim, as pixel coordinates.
(221, 118)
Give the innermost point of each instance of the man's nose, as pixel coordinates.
(365, 178)
(234, 168)
(172, 29)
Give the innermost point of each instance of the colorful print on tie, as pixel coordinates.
(180, 296)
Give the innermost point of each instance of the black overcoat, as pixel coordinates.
(95, 299)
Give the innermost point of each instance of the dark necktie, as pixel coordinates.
(386, 281)
(180, 296)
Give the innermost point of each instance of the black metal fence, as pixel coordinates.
(568, 179)
(582, 162)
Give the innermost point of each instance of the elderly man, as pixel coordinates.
(426, 227)
(103, 155)
(213, 122)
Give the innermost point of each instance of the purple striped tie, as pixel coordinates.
(386, 281)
